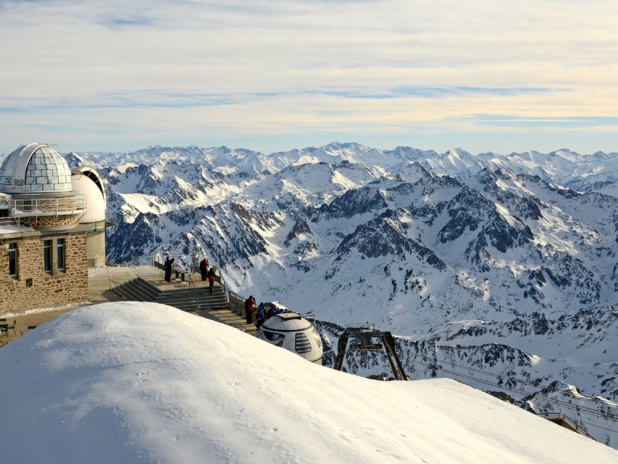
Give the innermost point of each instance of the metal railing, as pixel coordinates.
(47, 206)
(219, 278)
(158, 260)
(195, 294)
(237, 304)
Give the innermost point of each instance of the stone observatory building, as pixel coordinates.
(52, 228)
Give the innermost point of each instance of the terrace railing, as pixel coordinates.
(47, 206)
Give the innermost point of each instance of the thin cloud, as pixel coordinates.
(128, 22)
(161, 99)
(286, 66)
(536, 122)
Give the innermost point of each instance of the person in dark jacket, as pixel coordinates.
(249, 307)
(259, 316)
(211, 278)
(167, 267)
(204, 269)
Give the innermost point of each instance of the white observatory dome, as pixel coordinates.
(86, 181)
(35, 168)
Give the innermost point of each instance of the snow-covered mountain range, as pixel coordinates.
(498, 270)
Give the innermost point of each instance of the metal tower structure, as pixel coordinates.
(364, 341)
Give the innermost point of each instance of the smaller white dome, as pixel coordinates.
(87, 182)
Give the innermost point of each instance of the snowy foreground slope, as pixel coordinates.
(137, 382)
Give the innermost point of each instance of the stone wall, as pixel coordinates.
(62, 220)
(34, 287)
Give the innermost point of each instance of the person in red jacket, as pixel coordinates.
(249, 307)
(211, 278)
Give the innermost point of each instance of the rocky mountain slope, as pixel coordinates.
(500, 271)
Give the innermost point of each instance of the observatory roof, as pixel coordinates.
(35, 168)
(87, 181)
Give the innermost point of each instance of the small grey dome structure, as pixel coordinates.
(294, 333)
(35, 168)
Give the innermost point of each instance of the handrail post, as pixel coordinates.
(109, 279)
(195, 294)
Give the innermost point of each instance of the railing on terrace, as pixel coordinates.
(47, 206)
(237, 304)
(182, 261)
(158, 260)
(196, 297)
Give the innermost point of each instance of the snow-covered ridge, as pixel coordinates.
(563, 166)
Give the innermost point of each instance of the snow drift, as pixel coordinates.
(140, 382)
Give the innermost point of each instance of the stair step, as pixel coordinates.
(141, 289)
(186, 298)
(134, 293)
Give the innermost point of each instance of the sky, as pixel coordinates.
(130, 382)
(275, 75)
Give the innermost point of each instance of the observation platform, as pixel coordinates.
(104, 282)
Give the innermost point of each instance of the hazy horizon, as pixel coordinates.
(272, 76)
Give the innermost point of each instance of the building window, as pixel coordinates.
(60, 254)
(54, 255)
(47, 255)
(13, 259)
